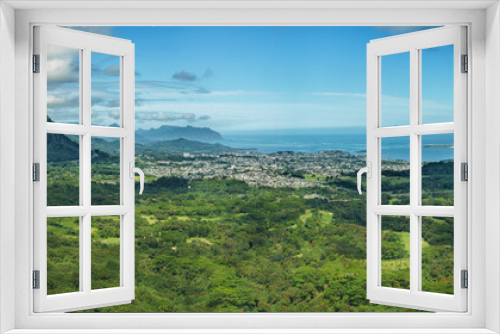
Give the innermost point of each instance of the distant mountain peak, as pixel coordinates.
(170, 132)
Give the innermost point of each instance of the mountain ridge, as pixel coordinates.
(165, 139)
(170, 132)
(61, 148)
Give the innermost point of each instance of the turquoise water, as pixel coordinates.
(351, 140)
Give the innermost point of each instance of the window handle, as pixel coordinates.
(368, 171)
(139, 171)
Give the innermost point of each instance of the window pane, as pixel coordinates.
(437, 254)
(105, 252)
(395, 89)
(437, 84)
(437, 169)
(395, 169)
(105, 171)
(63, 84)
(395, 252)
(63, 255)
(63, 170)
(105, 89)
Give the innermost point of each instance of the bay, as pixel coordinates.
(351, 140)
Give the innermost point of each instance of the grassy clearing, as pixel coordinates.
(199, 241)
(110, 241)
(315, 178)
(150, 219)
(147, 178)
(326, 217)
(211, 219)
(306, 216)
(405, 262)
(405, 236)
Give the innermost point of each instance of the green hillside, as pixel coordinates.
(222, 245)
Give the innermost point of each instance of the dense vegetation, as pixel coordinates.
(218, 245)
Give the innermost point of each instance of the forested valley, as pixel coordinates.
(221, 245)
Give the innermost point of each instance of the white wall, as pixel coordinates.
(133, 17)
(492, 163)
(7, 162)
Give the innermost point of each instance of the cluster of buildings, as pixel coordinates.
(281, 169)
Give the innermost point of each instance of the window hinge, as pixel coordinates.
(464, 172)
(36, 279)
(36, 63)
(36, 172)
(465, 64)
(465, 279)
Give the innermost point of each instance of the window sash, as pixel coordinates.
(413, 43)
(85, 298)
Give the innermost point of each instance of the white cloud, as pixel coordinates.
(54, 101)
(167, 116)
(114, 114)
(223, 116)
(62, 68)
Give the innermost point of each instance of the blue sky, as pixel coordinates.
(264, 78)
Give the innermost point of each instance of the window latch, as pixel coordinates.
(368, 171)
(134, 170)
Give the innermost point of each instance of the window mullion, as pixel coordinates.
(85, 245)
(415, 258)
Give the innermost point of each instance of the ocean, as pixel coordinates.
(351, 140)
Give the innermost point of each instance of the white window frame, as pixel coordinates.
(86, 44)
(484, 125)
(414, 43)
